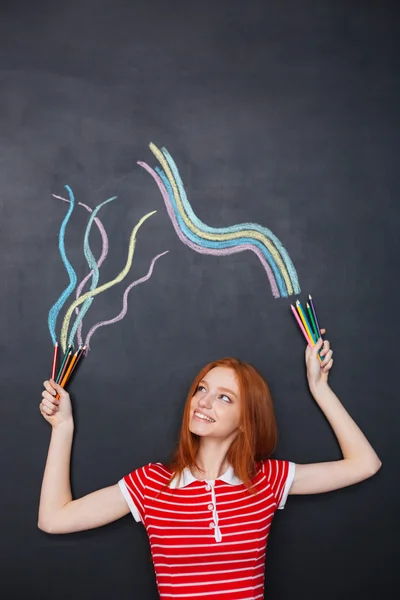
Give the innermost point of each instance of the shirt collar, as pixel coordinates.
(187, 477)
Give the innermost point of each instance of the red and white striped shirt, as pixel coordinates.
(208, 538)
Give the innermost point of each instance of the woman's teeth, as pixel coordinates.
(201, 416)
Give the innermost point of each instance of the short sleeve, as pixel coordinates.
(280, 475)
(133, 488)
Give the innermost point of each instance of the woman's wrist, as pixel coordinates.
(320, 390)
(66, 426)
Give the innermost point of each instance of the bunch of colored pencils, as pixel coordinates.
(308, 324)
(68, 364)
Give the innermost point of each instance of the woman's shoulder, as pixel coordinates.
(150, 478)
(159, 471)
(272, 467)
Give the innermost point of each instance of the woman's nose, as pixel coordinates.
(205, 401)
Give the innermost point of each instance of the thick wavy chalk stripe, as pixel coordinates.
(105, 286)
(124, 310)
(233, 229)
(55, 309)
(253, 235)
(228, 244)
(92, 264)
(202, 249)
(103, 256)
(222, 240)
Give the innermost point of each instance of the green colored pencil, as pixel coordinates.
(67, 353)
(313, 321)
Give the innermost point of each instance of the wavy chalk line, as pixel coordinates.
(202, 249)
(105, 286)
(271, 255)
(236, 234)
(233, 229)
(103, 256)
(124, 310)
(57, 306)
(92, 264)
(251, 244)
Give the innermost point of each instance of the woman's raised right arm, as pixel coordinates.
(58, 512)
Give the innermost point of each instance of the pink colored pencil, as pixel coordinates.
(54, 366)
(294, 311)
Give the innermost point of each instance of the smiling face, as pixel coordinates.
(215, 406)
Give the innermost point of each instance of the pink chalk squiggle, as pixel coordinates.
(200, 249)
(124, 310)
(103, 255)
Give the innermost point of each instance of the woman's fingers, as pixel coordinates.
(50, 399)
(57, 388)
(325, 351)
(47, 386)
(327, 358)
(325, 348)
(50, 404)
(45, 410)
(328, 367)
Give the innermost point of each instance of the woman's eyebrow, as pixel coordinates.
(222, 389)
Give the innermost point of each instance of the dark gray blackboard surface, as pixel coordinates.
(282, 113)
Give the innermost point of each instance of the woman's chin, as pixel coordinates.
(198, 429)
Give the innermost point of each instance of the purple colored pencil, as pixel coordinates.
(315, 314)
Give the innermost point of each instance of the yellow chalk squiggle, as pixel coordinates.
(219, 236)
(105, 286)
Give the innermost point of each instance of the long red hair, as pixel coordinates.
(257, 435)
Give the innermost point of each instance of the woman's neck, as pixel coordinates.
(211, 459)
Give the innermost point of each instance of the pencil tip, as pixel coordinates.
(309, 295)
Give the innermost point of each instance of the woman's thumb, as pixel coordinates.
(318, 345)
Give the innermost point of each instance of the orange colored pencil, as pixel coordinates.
(70, 367)
(81, 351)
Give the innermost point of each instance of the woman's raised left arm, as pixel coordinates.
(359, 461)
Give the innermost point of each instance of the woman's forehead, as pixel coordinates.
(222, 377)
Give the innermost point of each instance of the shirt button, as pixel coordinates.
(210, 506)
(208, 488)
(212, 525)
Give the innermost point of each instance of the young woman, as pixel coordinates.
(208, 514)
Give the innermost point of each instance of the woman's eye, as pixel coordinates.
(200, 388)
(225, 398)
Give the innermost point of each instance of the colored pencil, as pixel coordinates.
(315, 315)
(81, 351)
(303, 317)
(294, 311)
(313, 321)
(310, 340)
(54, 365)
(69, 369)
(64, 363)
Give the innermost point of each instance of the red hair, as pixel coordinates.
(257, 435)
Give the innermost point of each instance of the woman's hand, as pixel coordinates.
(317, 371)
(55, 410)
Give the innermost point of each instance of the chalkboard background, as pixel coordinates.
(281, 113)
